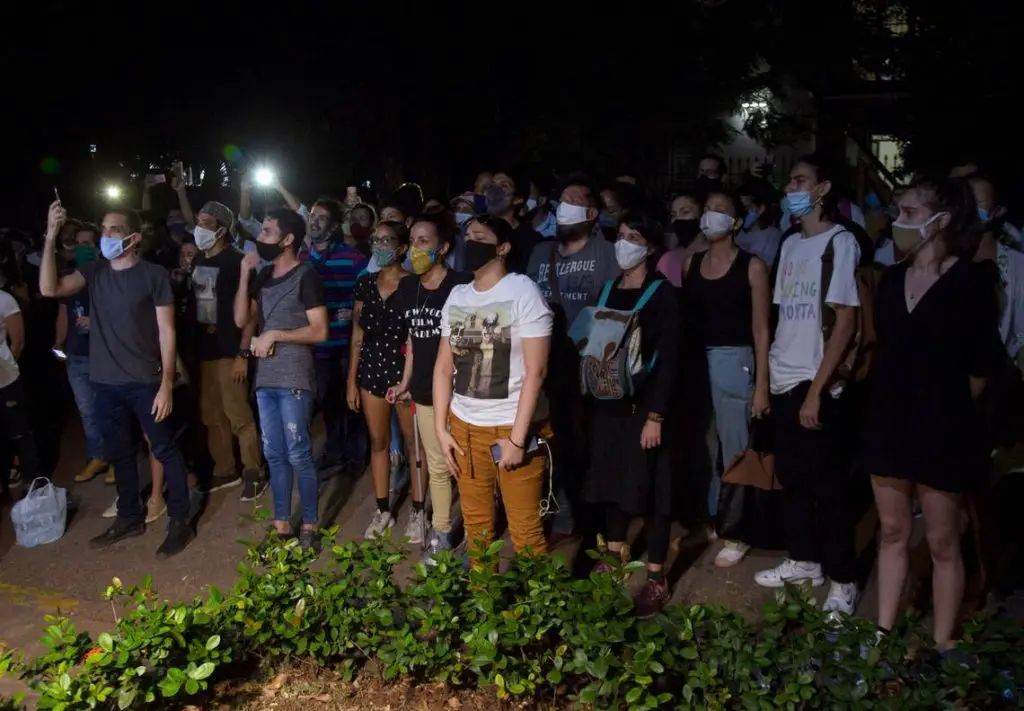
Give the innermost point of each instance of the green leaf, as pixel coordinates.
(169, 687)
(203, 671)
(634, 694)
(213, 643)
(126, 697)
(106, 642)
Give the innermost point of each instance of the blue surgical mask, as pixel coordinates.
(531, 204)
(750, 219)
(548, 227)
(384, 256)
(798, 204)
(871, 201)
(112, 247)
(462, 218)
(606, 219)
(984, 215)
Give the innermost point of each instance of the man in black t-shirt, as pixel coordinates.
(131, 366)
(223, 353)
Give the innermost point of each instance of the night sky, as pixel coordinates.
(332, 92)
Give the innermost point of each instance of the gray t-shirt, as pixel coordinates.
(581, 276)
(282, 304)
(124, 340)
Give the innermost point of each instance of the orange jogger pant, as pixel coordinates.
(521, 488)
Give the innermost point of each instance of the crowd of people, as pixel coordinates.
(588, 353)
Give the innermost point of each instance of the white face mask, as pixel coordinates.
(205, 239)
(531, 204)
(629, 255)
(570, 214)
(716, 224)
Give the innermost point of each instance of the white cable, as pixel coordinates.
(549, 504)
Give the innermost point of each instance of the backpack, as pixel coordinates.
(608, 341)
(856, 362)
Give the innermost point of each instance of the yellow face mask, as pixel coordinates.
(422, 259)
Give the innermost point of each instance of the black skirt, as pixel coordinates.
(621, 472)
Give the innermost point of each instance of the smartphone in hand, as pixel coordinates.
(531, 446)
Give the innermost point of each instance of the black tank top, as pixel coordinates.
(718, 311)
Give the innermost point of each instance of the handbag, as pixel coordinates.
(749, 502)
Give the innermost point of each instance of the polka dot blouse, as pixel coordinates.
(381, 361)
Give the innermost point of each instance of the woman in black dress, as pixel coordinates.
(377, 362)
(938, 342)
(630, 472)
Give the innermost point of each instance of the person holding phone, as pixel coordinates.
(73, 342)
(488, 377)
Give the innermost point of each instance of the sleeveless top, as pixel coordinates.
(718, 312)
(280, 308)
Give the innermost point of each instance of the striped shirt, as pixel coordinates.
(338, 268)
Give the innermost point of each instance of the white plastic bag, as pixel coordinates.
(41, 516)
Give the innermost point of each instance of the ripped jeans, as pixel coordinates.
(285, 417)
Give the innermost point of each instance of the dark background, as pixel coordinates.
(334, 92)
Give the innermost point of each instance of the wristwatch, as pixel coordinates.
(246, 354)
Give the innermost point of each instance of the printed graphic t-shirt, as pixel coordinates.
(214, 283)
(486, 331)
(799, 345)
(421, 309)
(581, 276)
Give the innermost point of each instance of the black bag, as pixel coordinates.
(749, 502)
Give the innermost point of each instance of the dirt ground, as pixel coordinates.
(69, 577)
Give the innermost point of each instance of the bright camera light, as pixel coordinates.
(264, 177)
(113, 191)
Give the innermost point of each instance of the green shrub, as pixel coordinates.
(532, 632)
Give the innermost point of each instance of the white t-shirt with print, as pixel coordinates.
(8, 365)
(799, 344)
(486, 330)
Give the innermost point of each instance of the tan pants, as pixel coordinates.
(520, 489)
(437, 467)
(224, 406)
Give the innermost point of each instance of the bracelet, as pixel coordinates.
(655, 417)
(513, 443)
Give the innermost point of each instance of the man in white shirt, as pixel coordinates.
(816, 274)
(15, 432)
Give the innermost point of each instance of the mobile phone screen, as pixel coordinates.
(59, 354)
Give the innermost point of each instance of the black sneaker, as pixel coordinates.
(179, 535)
(253, 486)
(310, 539)
(120, 530)
(224, 481)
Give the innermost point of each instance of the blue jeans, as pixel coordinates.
(85, 399)
(731, 374)
(118, 405)
(285, 416)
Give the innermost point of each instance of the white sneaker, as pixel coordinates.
(415, 530)
(731, 554)
(111, 511)
(842, 597)
(381, 522)
(790, 571)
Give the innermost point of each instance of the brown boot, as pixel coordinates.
(110, 479)
(94, 468)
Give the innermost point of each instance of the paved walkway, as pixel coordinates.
(67, 576)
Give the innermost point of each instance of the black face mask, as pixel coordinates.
(268, 252)
(479, 254)
(686, 231)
